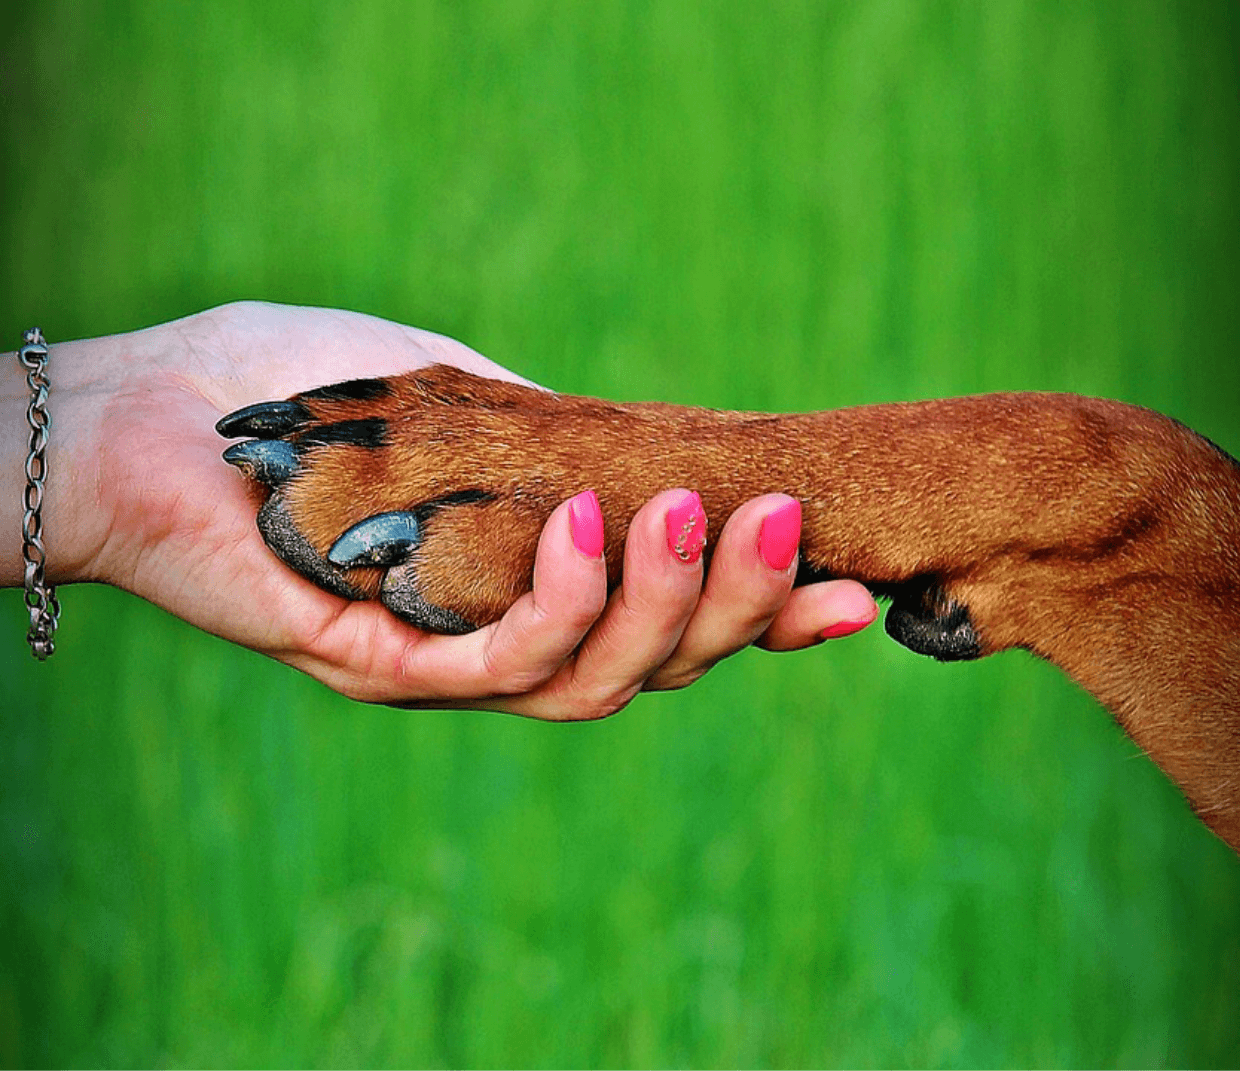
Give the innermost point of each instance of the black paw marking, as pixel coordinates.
(924, 620)
(370, 432)
(352, 390)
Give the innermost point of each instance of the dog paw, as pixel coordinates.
(414, 490)
(926, 620)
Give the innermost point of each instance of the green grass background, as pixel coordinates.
(845, 856)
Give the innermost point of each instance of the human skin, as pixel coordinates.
(138, 497)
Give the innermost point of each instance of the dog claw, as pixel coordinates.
(384, 539)
(266, 420)
(269, 461)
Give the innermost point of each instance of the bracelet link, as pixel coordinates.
(41, 598)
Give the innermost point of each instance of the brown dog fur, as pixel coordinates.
(1102, 537)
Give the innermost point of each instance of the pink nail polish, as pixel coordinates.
(686, 528)
(843, 628)
(780, 536)
(585, 521)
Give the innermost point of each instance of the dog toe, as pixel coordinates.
(402, 594)
(283, 536)
(404, 490)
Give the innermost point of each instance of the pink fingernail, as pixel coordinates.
(842, 628)
(780, 536)
(686, 528)
(853, 606)
(585, 521)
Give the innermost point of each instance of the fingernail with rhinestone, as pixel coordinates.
(686, 528)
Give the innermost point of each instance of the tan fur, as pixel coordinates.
(1103, 537)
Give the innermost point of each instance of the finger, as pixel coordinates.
(751, 574)
(644, 619)
(542, 628)
(818, 612)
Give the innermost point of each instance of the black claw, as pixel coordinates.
(384, 539)
(266, 420)
(269, 461)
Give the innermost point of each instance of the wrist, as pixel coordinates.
(74, 527)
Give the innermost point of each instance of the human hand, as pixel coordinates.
(138, 497)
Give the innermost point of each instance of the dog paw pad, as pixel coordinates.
(291, 547)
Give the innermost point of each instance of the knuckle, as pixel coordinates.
(520, 682)
(677, 678)
(671, 598)
(528, 680)
(751, 616)
(594, 706)
(585, 614)
(508, 679)
(573, 618)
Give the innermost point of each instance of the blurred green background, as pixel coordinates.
(846, 856)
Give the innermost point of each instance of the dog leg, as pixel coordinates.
(1102, 537)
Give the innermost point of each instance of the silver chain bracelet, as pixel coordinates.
(41, 599)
